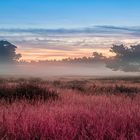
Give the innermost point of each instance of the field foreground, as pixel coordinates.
(82, 110)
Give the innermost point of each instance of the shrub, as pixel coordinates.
(26, 91)
(76, 85)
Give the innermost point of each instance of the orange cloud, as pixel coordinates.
(45, 54)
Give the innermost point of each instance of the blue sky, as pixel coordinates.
(68, 13)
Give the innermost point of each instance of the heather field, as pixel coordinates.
(87, 109)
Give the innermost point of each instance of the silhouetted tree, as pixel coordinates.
(126, 58)
(98, 57)
(8, 52)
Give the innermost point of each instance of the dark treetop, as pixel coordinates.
(8, 52)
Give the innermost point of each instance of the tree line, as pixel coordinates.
(125, 58)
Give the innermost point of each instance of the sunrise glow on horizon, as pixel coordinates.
(44, 54)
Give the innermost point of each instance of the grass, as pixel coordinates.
(102, 110)
(101, 87)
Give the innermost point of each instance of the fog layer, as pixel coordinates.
(59, 70)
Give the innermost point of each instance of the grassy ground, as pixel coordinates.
(70, 109)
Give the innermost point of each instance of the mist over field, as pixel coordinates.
(49, 70)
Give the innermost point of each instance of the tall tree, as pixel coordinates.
(8, 52)
(126, 58)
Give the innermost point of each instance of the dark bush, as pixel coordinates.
(76, 85)
(112, 89)
(27, 91)
(57, 83)
(124, 89)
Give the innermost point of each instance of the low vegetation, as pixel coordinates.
(64, 110)
(28, 91)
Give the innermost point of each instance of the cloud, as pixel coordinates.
(69, 40)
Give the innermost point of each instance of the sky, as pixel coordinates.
(67, 14)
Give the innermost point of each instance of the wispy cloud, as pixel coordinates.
(71, 40)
